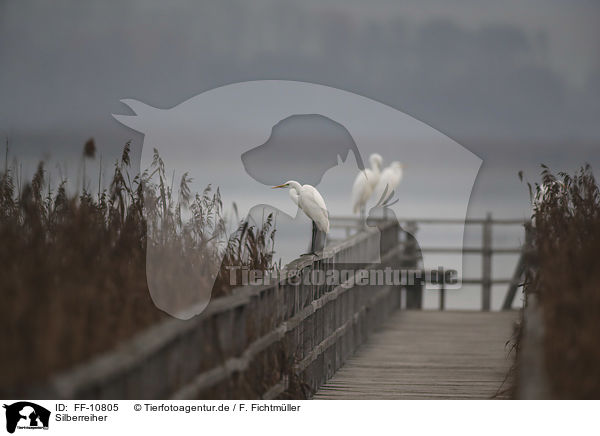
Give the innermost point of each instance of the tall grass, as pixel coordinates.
(73, 266)
(565, 278)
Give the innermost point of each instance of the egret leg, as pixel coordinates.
(313, 241)
(363, 217)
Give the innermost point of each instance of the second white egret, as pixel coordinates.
(364, 184)
(389, 180)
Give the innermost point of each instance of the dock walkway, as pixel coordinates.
(429, 355)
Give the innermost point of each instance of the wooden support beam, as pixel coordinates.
(486, 264)
(412, 256)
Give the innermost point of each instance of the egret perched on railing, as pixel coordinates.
(389, 180)
(312, 204)
(365, 183)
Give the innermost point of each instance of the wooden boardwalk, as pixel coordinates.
(428, 355)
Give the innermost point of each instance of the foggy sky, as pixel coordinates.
(516, 83)
(531, 72)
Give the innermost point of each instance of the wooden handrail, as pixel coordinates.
(472, 250)
(274, 338)
(343, 221)
(487, 249)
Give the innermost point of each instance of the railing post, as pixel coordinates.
(519, 270)
(414, 292)
(486, 264)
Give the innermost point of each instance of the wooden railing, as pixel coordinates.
(486, 250)
(281, 340)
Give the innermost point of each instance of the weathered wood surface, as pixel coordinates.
(429, 355)
(283, 339)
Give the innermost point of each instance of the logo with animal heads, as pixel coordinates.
(233, 143)
(26, 415)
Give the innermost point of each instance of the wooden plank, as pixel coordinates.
(255, 331)
(423, 354)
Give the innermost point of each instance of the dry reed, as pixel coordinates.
(73, 267)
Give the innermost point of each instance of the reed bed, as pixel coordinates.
(564, 276)
(73, 267)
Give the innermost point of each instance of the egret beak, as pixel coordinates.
(280, 186)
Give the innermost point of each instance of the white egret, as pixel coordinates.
(310, 201)
(364, 184)
(389, 180)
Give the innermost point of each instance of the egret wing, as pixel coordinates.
(314, 206)
(361, 189)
